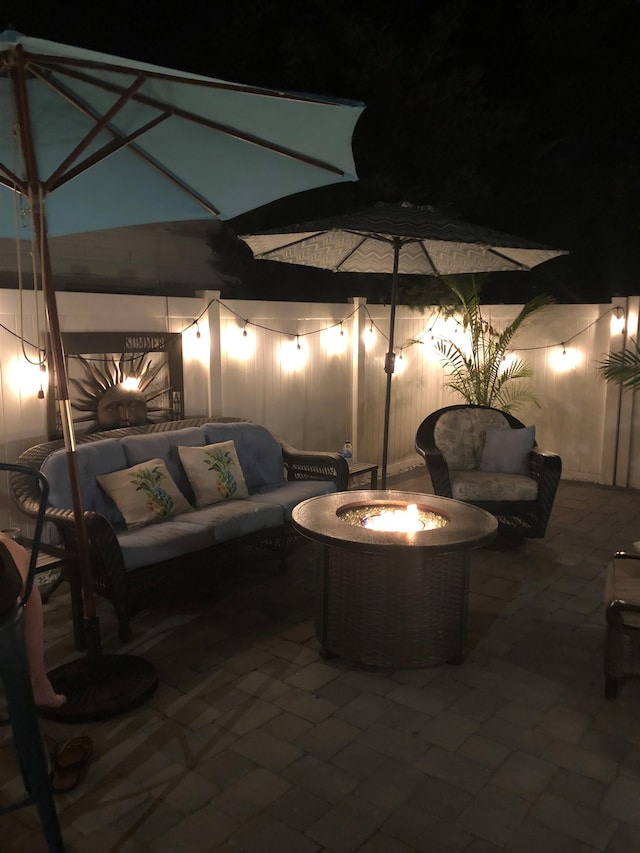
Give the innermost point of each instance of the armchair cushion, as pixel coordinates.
(459, 435)
(507, 451)
(487, 486)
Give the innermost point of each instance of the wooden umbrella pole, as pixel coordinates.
(38, 219)
(62, 385)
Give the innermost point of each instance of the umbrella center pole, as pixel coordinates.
(390, 358)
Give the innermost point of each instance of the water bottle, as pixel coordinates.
(347, 451)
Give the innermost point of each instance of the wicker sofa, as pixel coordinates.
(126, 563)
(519, 492)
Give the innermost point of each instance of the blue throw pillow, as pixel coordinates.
(506, 450)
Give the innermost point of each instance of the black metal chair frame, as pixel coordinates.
(14, 671)
(622, 640)
(515, 518)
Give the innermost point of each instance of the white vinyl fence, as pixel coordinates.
(314, 373)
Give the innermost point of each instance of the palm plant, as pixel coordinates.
(623, 368)
(481, 373)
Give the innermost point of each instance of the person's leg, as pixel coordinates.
(43, 692)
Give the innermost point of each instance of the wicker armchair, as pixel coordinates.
(452, 443)
(622, 637)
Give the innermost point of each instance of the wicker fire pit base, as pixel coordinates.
(392, 599)
(392, 612)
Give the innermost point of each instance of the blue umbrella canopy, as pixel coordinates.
(116, 142)
(90, 141)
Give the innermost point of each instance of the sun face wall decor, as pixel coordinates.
(118, 380)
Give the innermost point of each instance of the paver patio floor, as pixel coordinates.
(254, 743)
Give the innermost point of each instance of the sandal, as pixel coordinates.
(70, 764)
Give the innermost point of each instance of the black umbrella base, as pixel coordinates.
(101, 689)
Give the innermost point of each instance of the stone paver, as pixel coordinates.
(254, 743)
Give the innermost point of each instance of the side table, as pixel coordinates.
(358, 468)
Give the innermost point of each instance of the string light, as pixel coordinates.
(43, 369)
(617, 320)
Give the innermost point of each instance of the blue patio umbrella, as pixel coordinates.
(91, 141)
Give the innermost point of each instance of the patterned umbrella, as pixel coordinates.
(402, 239)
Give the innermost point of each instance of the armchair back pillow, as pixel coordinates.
(506, 450)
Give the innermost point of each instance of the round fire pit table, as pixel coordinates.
(389, 598)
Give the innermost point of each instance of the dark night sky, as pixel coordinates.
(521, 115)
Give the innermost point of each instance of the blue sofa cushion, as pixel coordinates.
(230, 519)
(100, 457)
(289, 495)
(164, 445)
(143, 546)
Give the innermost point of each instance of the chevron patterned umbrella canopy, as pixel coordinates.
(429, 244)
(401, 239)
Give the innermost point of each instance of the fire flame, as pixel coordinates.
(396, 520)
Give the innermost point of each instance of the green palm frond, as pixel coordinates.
(480, 376)
(623, 368)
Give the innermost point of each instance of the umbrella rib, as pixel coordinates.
(209, 123)
(115, 145)
(118, 142)
(290, 244)
(504, 257)
(11, 181)
(122, 142)
(430, 260)
(354, 250)
(61, 65)
(100, 125)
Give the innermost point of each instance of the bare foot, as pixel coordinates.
(45, 696)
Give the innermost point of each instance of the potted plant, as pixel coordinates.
(480, 372)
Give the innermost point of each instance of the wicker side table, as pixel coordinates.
(392, 600)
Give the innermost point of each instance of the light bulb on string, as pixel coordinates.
(43, 369)
(617, 320)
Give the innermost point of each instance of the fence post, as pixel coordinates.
(357, 368)
(212, 298)
(625, 399)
